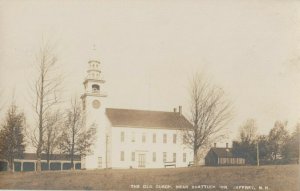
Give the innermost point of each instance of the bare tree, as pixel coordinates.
(290, 149)
(46, 89)
(278, 137)
(248, 131)
(76, 139)
(53, 127)
(247, 144)
(209, 114)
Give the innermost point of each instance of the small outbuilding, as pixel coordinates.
(222, 157)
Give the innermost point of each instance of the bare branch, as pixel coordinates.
(210, 112)
(45, 89)
(76, 139)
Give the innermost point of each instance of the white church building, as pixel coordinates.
(128, 138)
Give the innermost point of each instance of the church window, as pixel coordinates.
(133, 156)
(144, 138)
(165, 156)
(133, 137)
(154, 137)
(184, 157)
(122, 157)
(174, 157)
(165, 138)
(95, 87)
(122, 136)
(154, 156)
(174, 138)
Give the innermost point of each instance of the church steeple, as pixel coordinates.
(93, 104)
(93, 81)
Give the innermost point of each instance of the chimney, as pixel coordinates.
(175, 110)
(215, 145)
(226, 145)
(180, 110)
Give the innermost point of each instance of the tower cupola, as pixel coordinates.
(94, 70)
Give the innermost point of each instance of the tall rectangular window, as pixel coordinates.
(154, 138)
(144, 138)
(133, 156)
(122, 157)
(174, 157)
(122, 136)
(174, 138)
(154, 157)
(132, 137)
(165, 138)
(184, 157)
(165, 156)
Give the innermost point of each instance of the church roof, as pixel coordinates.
(147, 119)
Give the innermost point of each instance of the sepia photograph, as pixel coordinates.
(150, 95)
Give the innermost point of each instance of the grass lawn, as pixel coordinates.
(281, 178)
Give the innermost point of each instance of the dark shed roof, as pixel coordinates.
(146, 119)
(32, 156)
(223, 152)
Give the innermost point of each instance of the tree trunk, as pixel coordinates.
(195, 157)
(72, 152)
(40, 143)
(73, 141)
(11, 165)
(72, 163)
(38, 155)
(48, 160)
(38, 161)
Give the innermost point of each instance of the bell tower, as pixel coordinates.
(93, 85)
(93, 101)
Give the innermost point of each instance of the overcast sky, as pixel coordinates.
(149, 50)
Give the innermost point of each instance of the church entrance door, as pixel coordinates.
(142, 161)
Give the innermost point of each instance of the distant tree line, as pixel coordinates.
(278, 147)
